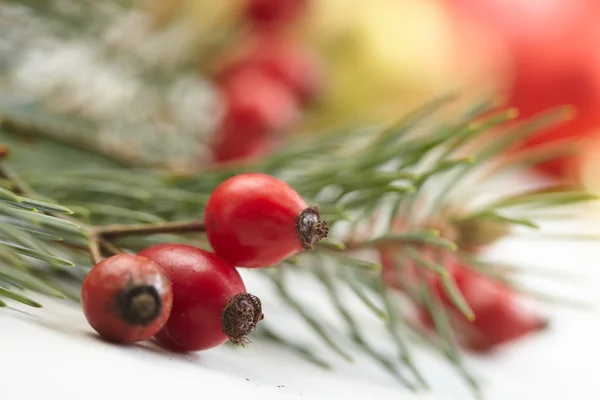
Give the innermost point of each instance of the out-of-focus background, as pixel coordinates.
(167, 83)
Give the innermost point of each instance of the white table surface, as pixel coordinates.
(52, 353)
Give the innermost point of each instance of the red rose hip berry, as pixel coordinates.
(257, 110)
(255, 220)
(210, 302)
(126, 298)
(256, 104)
(274, 12)
(281, 59)
(499, 316)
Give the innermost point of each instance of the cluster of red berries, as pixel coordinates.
(265, 83)
(191, 299)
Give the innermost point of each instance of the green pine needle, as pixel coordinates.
(493, 216)
(430, 237)
(303, 351)
(355, 334)
(444, 330)
(394, 325)
(348, 275)
(37, 254)
(20, 298)
(421, 262)
(277, 279)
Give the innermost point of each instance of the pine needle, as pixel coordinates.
(37, 254)
(449, 285)
(442, 326)
(546, 197)
(7, 195)
(413, 254)
(429, 237)
(394, 324)
(409, 121)
(348, 261)
(493, 216)
(41, 219)
(20, 298)
(28, 281)
(302, 351)
(44, 206)
(349, 276)
(277, 279)
(355, 334)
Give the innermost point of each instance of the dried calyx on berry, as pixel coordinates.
(241, 317)
(138, 305)
(310, 228)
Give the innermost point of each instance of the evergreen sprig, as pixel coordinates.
(362, 178)
(75, 186)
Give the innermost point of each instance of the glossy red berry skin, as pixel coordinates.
(274, 12)
(126, 298)
(204, 285)
(255, 220)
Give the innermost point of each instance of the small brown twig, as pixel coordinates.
(98, 239)
(108, 246)
(116, 230)
(19, 186)
(94, 248)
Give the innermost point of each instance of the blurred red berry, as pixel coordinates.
(230, 144)
(285, 61)
(274, 12)
(256, 109)
(258, 103)
(499, 315)
(550, 63)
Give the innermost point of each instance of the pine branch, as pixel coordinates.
(303, 351)
(380, 173)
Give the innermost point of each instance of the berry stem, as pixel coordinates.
(94, 248)
(149, 229)
(109, 247)
(19, 186)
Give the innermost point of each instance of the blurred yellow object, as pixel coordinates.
(385, 56)
(382, 55)
(199, 16)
